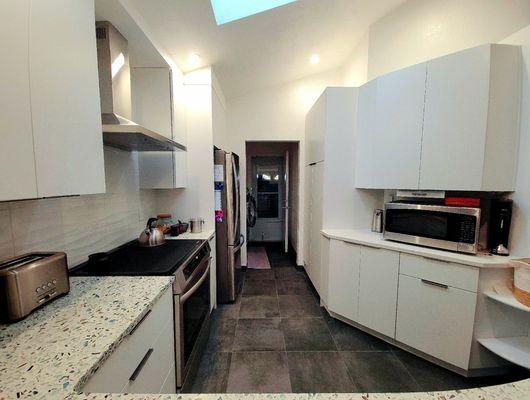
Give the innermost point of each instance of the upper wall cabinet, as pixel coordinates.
(448, 124)
(471, 127)
(50, 117)
(390, 127)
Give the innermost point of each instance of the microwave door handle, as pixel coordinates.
(186, 295)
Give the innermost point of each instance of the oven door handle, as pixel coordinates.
(185, 296)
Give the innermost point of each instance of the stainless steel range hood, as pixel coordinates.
(115, 92)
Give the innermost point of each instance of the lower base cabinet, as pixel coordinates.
(378, 286)
(145, 361)
(436, 319)
(344, 259)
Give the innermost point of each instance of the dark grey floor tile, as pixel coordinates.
(229, 310)
(379, 372)
(212, 375)
(258, 274)
(307, 334)
(259, 307)
(222, 333)
(432, 377)
(298, 286)
(259, 288)
(319, 372)
(289, 274)
(299, 306)
(258, 335)
(259, 372)
(352, 339)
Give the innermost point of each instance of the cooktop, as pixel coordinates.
(131, 259)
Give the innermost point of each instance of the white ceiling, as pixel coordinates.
(265, 49)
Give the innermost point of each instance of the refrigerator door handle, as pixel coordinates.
(236, 187)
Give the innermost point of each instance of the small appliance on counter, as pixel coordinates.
(499, 226)
(30, 281)
(377, 221)
(196, 225)
(151, 236)
(179, 228)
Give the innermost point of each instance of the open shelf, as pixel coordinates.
(513, 349)
(506, 297)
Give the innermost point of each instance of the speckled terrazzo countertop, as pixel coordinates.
(51, 353)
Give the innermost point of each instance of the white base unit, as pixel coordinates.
(344, 263)
(436, 319)
(143, 362)
(378, 285)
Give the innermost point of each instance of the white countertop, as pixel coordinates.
(204, 235)
(373, 239)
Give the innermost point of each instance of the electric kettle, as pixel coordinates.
(151, 235)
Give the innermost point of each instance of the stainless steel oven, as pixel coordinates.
(192, 305)
(442, 227)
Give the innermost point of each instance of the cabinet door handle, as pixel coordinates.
(140, 322)
(440, 285)
(140, 366)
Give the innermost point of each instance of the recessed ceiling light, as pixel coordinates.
(314, 59)
(194, 60)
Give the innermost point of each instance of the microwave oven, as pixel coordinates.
(442, 227)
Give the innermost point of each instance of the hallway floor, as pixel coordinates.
(276, 338)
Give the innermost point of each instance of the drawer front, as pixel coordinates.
(436, 320)
(151, 376)
(114, 374)
(443, 272)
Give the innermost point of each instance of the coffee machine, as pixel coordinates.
(499, 226)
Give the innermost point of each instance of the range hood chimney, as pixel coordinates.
(115, 92)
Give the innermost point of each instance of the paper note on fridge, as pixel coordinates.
(218, 173)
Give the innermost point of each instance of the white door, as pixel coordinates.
(456, 108)
(65, 98)
(378, 280)
(436, 319)
(17, 161)
(286, 206)
(344, 263)
(396, 141)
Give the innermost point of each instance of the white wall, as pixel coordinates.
(423, 29)
(276, 113)
(355, 70)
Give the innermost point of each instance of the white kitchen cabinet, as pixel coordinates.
(378, 283)
(17, 162)
(50, 115)
(325, 272)
(436, 319)
(152, 339)
(471, 126)
(65, 107)
(344, 263)
(316, 179)
(390, 129)
(153, 106)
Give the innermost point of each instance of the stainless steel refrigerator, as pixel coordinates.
(227, 226)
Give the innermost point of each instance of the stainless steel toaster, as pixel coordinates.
(30, 281)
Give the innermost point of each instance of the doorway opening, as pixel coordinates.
(272, 181)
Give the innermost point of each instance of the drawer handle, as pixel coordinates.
(140, 366)
(441, 285)
(139, 322)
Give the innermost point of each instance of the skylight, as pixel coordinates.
(231, 10)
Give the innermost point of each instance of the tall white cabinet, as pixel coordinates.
(50, 115)
(330, 200)
(447, 124)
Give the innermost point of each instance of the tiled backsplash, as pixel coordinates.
(83, 224)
